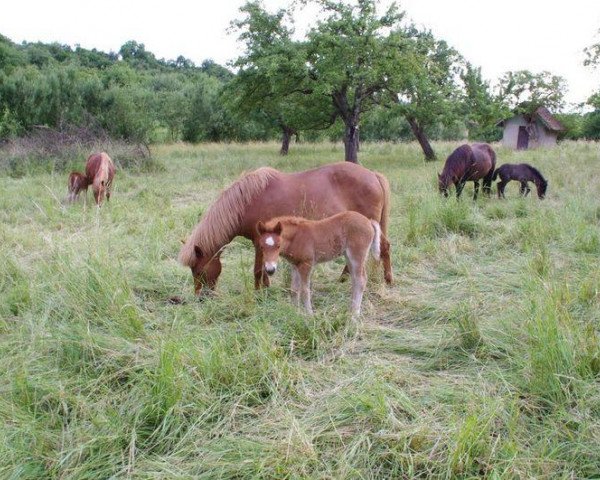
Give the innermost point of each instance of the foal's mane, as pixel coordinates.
(223, 216)
(537, 173)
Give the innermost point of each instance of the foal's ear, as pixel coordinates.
(277, 229)
(439, 176)
(260, 228)
(197, 251)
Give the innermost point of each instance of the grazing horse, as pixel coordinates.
(266, 193)
(100, 171)
(522, 173)
(305, 243)
(468, 163)
(77, 182)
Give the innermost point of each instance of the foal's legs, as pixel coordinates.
(475, 189)
(296, 285)
(304, 270)
(525, 189)
(357, 260)
(501, 186)
(260, 276)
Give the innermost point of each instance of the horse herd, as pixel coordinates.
(309, 217)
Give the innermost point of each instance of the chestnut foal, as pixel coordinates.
(77, 183)
(306, 242)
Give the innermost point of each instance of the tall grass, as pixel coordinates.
(482, 360)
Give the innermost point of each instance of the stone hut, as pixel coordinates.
(539, 129)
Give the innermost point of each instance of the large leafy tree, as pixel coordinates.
(523, 91)
(481, 108)
(351, 56)
(272, 77)
(424, 84)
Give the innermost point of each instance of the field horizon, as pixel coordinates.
(482, 360)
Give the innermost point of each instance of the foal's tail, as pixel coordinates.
(376, 243)
(495, 176)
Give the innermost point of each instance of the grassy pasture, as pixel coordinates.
(483, 359)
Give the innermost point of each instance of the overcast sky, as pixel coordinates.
(496, 35)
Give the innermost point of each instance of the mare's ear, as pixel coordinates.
(260, 228)
(197, 251)
(277, 229)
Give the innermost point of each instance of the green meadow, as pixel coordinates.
(482, 360)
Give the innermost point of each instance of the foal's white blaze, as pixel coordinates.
(269, 241)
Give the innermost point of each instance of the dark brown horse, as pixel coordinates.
(266, 193)
(100, 171)
(77, 183)
(523, 173)
(468, 163)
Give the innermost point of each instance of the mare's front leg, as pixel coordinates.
(459, 188)
(260, 276)
(475, 189)
(304, 271)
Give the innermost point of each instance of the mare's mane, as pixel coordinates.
(223, 216)
(456, 161)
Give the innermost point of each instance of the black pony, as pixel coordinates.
(523, 173)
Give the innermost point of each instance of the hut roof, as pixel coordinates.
(544, 115)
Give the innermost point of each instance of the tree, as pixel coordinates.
(523, 91)
(424, 84)
(481, 108)
(350, 58)
(272, 79)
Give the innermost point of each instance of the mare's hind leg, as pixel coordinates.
(385, 259)
(475, 190)
(260, 276)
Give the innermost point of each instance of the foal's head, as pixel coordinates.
(269, 242)
(542, 186)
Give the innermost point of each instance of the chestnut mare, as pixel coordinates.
(100, 171)
(305, 243)
(266, 193)
(468, 163)
(77, 183)
(523, 173)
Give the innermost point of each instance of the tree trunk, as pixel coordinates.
(285, 141)
(421, 138)
(351, 142)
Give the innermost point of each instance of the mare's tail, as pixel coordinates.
(376, 243)
(385, 212)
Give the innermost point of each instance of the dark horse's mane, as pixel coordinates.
(457, 159)
(537, 173)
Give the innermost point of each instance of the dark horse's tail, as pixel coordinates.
(492, 175)
(495, 176)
